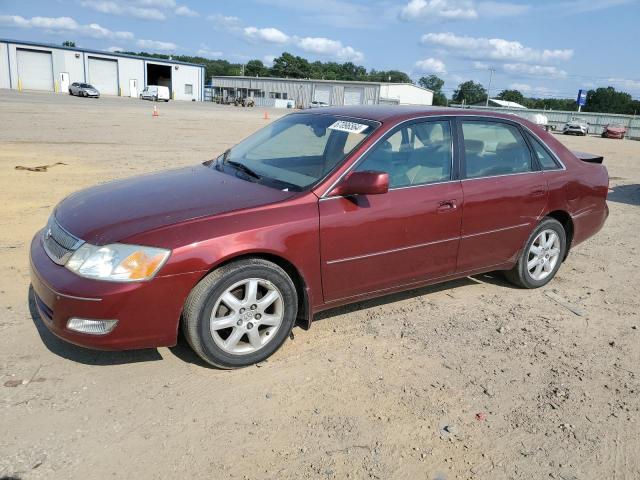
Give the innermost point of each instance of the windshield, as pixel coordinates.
(86, 85)
(296, 151)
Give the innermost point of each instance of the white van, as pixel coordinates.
(155, 93)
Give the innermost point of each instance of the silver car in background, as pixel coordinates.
(575, 126)
(83, 90)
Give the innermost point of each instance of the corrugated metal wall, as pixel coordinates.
(301, 92)
(596, 121)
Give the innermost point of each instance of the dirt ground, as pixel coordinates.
(470, 379)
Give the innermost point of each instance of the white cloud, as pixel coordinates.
(269, 35)
(156, 45)
(536, 70)
(147, 11)
(536, 90)
(330, 48)
(268, 60)
(205, 51)
(624, 83)
(481, 66)
(431, 65)
(155, 3)
(335, 13)
(59, 25)
(184, 11)
(494, 48)
(430, 10)
(438, 9)
(224, 21)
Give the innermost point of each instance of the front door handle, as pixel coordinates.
(446, 206)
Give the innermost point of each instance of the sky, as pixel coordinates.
(542, 48)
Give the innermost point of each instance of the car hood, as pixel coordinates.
(117, 210)
(576, 124)
(616, 129)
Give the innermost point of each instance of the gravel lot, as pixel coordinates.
(470, 379)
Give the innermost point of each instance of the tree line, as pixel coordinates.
(287, 65)
(601, 100)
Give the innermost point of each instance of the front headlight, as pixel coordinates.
(117, 262)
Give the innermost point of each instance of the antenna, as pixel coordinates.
(491, 72)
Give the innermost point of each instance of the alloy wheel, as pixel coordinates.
(246, 316)
(543, 255)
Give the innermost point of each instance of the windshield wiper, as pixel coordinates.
(242, 167)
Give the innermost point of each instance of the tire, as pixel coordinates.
(70, 93)
(522, 276)
(229, 345)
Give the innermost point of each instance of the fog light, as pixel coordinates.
(92, 327)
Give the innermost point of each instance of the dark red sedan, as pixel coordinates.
(316, 210)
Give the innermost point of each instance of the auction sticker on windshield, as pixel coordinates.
(349, 127)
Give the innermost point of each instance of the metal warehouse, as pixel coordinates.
(37, 66)
(288, 92)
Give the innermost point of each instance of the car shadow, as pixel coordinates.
(84, 355)
(629, 194)
(492, 278)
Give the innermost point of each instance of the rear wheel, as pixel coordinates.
(241, 313)
(541, 257)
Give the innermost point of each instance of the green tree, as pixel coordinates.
(435, 84)
(393, 76)
(608, 100)
(511, 96)
(291, 66)
(469, 92)
(255, 68)
(68, 43)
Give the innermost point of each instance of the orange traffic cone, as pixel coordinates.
(155, 111)
(266, 115)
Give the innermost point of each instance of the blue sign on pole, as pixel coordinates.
(582, 98)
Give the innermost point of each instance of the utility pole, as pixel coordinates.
(491, 72)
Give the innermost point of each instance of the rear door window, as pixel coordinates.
(546, 160)
(494, 148)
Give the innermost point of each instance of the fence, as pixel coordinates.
(596, 121)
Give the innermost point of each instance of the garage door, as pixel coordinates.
(353, 96)
(103, 74)
(322, 93)
(35, 69)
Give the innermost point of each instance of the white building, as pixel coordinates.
(301, 92)
(37, 66)
(405, 94)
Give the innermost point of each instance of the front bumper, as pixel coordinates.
(148, 313)
(613, 135)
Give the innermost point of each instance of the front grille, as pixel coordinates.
(58, 243)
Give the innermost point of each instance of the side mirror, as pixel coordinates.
(362, 183)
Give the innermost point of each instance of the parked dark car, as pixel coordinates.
(83, 90)
(614, 130)
(318, 209)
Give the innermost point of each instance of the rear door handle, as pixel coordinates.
(446, 206)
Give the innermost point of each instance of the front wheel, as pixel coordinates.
(241, 313)
(541, 257)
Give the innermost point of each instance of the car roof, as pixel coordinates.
(394, 113)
